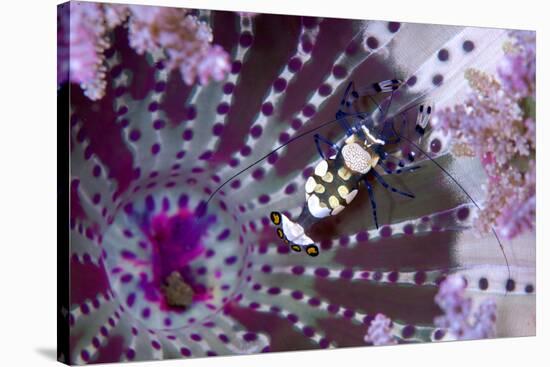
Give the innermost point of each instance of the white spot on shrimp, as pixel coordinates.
(310, 185)
(351, 196)
(314, 207)
(337, 210)
(321, 168)
(295, 232)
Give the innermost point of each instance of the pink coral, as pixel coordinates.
(115, 14)
(497, 122)
(380, 331)
(185, 41)
(87, 42)
(214, 66)
(457, 318)
(517, 70)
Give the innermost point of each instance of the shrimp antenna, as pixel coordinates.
(359, 114)
(463, 190)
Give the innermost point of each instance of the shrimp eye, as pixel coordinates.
(296, 248)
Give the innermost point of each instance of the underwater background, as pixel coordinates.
(149, 144)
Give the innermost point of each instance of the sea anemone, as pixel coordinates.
(158, 271)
